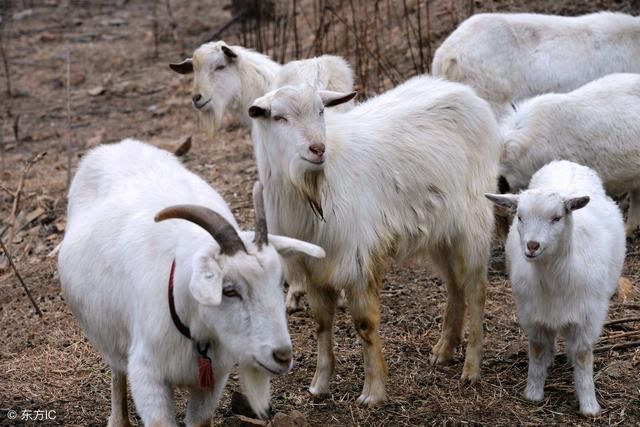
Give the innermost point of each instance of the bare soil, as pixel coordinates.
(121, 87)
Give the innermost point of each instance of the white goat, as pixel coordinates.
(381, 183)
(229, 78)
(564, 266)
(597, 125)
(115, 266)
(509, 57)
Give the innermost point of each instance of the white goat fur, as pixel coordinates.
(250, 75)
(597, 125)
(565, 288)
(387, 188)
(114, 265)
(510, 57)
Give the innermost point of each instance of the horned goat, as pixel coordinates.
(596, 125)
(225, 303)
(377, 181)
(565, 253)
(508, 57)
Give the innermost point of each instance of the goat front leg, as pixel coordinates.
(364, 306)
(203, 403)
(119, 409)
(581, 354)
(152, 396)
(541, 354)
(633, 214)
(323, 306)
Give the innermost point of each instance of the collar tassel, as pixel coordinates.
(205, 373)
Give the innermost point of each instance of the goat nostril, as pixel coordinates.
(532, 245)
(317, 149)
(282, 355)
(197, 97)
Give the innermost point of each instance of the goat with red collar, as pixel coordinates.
(173, 303)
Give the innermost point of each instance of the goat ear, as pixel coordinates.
(261, 108)
(331, 99)
(504, 201)
(206, 279)
(576, 203)
(184, 67)
(231, 55)
(287, 246)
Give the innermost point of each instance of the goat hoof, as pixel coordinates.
(370, 400)
(533, 394)
(591, 408)
(318, 394)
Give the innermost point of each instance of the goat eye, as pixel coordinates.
(519, 218)
(555, 219)
(220, 67)
(321, 112)
(230, 292)
(281, 119)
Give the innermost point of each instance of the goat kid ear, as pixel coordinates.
(230, 54)
(261, 108)
(576, 203)
(508, 202)
(206, 279)
(184, 67)
(331, 98)
(287, 246)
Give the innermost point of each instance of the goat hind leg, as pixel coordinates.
(451, 334)
(475, 291)
(633, 214)
(323, 306)
(365, 311)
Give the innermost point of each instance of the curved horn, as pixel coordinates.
(219, 228)
(261, 236)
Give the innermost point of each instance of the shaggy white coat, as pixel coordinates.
(597, 125)
(564, 286)
(508, 57)
(114, 265)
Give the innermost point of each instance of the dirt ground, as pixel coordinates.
(121, 87)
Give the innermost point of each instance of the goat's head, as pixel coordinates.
(238, 289)
(290, 120)
(543, 219)
(216, 82)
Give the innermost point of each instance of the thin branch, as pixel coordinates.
(619, 346)
(623, 320)
(69, 146)
(15, 270)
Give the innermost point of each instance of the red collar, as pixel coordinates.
(205, 372)
(184, 329)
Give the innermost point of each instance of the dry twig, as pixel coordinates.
(15, 270)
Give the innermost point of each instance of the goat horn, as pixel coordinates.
(219, 228)
(261, 236)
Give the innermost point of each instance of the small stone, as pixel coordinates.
(96, 91)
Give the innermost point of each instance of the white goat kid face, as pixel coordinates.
(216, 82)
(543, 220)
(292, 119)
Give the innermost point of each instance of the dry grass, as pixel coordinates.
(48, 364)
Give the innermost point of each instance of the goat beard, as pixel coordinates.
(256, 385)
(310, 185)
(210, 122)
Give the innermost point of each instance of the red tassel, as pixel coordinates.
(205, 373)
